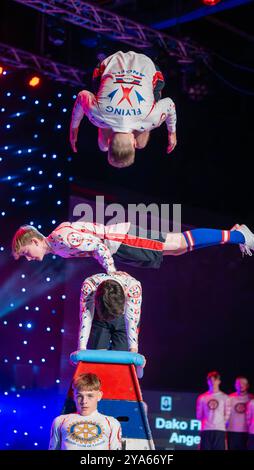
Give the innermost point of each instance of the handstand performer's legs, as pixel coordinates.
(180, 243)
(148, 253)
(175, 244)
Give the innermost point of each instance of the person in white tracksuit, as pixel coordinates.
(250, 424)
(213, 410)
(237, 429)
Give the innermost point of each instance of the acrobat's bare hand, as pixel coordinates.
(74, 353)
(171, 142)
(135, 350)
(74, 138)
(144, 364)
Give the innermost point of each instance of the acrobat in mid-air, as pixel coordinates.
(126, 106)
(113, 243)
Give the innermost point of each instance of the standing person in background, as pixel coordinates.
(213, 410)
(237, 425)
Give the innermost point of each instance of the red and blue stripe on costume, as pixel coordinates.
(202, 237)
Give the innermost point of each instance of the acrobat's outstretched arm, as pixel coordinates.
(132, 315)
(55, 434)
(81, 104)
(165, 108)
(86, 312)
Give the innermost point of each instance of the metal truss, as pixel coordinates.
(197, 13)
(17, 58)
(116, 27)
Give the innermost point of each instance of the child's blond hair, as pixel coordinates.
(87, 382)
(120, 153)
(23, 237)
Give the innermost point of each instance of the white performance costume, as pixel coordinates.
(93, 432)
(125, 100)
(238, 404)
(213, 410)
(250, 417)
(84, 239)
(133, 293)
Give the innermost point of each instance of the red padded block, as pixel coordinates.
(119, 381)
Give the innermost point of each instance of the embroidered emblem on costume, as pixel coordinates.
(112, 94)
(87, 288)
(240, 407)
(74, 239)
(213, 404)
(126, 92)
(85, 432)
(131, 79)
(134, 292)
(140, 98)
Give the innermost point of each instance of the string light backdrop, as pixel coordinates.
(35, 172)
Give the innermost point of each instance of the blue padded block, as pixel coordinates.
(134, 420)
(107, 357)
